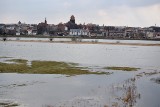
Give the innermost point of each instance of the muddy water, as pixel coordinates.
(85, 90)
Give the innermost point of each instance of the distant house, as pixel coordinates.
(17, 33)
(61, 27)
(2, 26)
(156, 31)
(113, 34)
(29, 31)
(79, 32)
(10, 29)
(34, 32)
(157, 35)
(150, 33)
(93, 34)
(18, 30)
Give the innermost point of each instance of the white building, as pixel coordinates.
(150, 34)
(32, 32)
(17, 33)
(79, 32)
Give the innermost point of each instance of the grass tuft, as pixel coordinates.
(122, 68)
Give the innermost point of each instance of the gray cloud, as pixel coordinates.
(111, 12)
(130, 3)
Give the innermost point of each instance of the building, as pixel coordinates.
(10, 29)
(61, 27)
(71, 24)
(42, 28)
(156, 31)
(72, 19)
(2, 29)
(79, 32)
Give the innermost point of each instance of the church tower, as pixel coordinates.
(45, 21)
(72, 19)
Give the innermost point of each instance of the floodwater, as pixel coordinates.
(47, 90)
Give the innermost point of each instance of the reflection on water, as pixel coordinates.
(120, 89)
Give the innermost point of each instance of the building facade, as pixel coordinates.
(79, 32)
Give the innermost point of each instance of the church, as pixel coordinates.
(71, 24)
(75, 30)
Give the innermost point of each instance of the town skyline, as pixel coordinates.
(71, 28)
(83, 23)
(136, 13)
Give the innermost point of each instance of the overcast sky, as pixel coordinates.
(108, 12)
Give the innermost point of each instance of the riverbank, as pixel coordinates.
(78, 37)
(89, 42)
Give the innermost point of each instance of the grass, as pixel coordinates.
(122, 68)
(12, 68)
(44, 67)
(18, 60)
(8, 104)
(4, 57)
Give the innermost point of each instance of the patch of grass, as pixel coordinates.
(12, 68)
(4, 57)
(17, 60)
(122, 68)
(52, 67)
(44, 67)
(8, 104)
(21, 85)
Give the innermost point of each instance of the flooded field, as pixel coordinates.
(122, 87)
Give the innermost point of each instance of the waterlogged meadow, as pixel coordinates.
(48, 74)
(44, 67)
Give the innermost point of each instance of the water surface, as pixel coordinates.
(82, 90)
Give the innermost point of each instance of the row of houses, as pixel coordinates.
(85, 30)
(18, 29)
(120, 32)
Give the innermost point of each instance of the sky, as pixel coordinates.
(136, 13)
